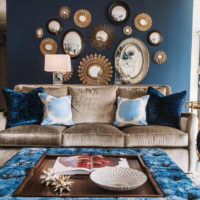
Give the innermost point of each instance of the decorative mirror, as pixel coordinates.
(154, 38)
(101, 37)
(67, 75)
(54, 26)
(132, 60)
(160, 57)
(118, 12)
(143, 22)
(64, 12)
(39, 32)
(95, 70)
(48, 46)
(73, 43)
(82, 18)
(127, 30)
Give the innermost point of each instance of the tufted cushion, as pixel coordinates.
(93, 104)
(154, 136)
(32, 135)
(93, 134)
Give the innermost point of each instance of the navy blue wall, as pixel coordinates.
(172, 17)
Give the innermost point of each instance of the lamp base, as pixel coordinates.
(57, 78)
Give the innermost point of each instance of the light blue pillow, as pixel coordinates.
(57, 111)
(131, 111)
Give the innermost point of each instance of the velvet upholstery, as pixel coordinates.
(93, 104)
(23, 108)
(165, 110)
(93, 134)
(154, 136)
(32, 135)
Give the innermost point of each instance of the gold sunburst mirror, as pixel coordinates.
(127, 30)
(143, 22)
(101, 36)
(82, 18)
(64, 12)
(160, 57)
(39, 32)
(48, 46)
(95, 70)
(67, 75)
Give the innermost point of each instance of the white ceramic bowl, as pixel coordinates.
(118, 178)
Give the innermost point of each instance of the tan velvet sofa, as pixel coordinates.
(93, 109)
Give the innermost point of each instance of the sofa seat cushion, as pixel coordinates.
(32, 135)
(93, 134)
(154, 136)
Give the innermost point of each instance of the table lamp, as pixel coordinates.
(58, 64)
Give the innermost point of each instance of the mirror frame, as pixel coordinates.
(145, 54)
(48, 41)
(114, 4)
(54, 33)
(82, 42)
(149, 34)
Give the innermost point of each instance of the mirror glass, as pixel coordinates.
(54, 26)
(118, 12)
(48, 47)
(94, 71)
(39, 32)
(72, 43)
(160, 57)
(102, 36)
(155, 38)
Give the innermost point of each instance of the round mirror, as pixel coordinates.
(48, 46)
(118, 12)
(160, 57)
(143, 22)
(82, 18)
(132, 60)
(39, 32)
(54, 26)
(102, 36)
(94, 71)
(127, 30)
(73, 43)
(154, 38)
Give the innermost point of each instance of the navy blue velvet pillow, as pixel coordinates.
(164, 110)
(23, 108)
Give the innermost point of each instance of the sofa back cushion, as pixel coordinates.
(93, 104)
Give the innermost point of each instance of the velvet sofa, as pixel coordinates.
(93, 110)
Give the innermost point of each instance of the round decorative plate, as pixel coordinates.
(160, 57)
(118, 178)
(48, 46)
(64, 12)
(95, 70)
(82, 18)
(143, 22)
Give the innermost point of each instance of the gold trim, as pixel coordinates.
(64, 12)
(130, 30)
(147, 18)
(86, 15)
(51, 42)
(37, 34)
(98, 44)
(160, 61)
(105, 74)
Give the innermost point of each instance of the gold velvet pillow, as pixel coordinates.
(93, 104)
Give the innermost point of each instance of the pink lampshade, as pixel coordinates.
(57, 63)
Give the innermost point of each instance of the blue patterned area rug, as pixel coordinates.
(173, 182)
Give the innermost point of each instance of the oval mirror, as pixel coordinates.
(54, 26)
(132, 60)
(73, 43)
(118, 12)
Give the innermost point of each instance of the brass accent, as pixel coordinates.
(103, 76)
(39, 32)
(67, 75)
(143, 22)
(99, 42)
(127, 30)
(53, 46)
(64, 12)
(82, 18)
(160, 57)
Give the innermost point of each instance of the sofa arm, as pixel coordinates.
(189, 124)
(3, 120)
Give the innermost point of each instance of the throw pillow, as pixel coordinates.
(57, 111)
(23, 108)
(164, 110)
(131, 111)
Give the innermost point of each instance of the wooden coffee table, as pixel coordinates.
(83, 186)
